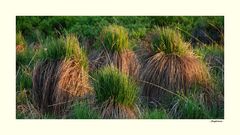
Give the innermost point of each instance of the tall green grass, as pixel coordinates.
(24, 78)
(189, 107)
(74, 50)
(112, 84)
(167, 40)
(114, 38)
(25, 58)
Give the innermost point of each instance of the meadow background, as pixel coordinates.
(206, 35)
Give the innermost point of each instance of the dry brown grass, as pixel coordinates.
(172, 72)
(111, 110)
(56, 84)
(126, 61)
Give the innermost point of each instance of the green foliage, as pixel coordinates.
(24, 78)
(110, 84)
(114, 38)
(214, 56)
(206, 50)
(25, 57)
(20, 115)
(89, 27)
(155, 114)
(83, 111)
(191, 108)
(168, 41)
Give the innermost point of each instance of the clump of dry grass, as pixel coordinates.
(116, 51)
(58, 82)
(173, 67)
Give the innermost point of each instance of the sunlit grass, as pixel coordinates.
(168, 41)
(114, 38)
(109, 83)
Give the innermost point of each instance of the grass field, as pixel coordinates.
(120, 67)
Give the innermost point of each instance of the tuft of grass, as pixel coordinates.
(114, 38)
(20, 39)
(172, 67)
(58, 83)
(167, 40)
(82, 110)
(112, 84)
(73, 50)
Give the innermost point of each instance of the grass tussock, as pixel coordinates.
(114, 38)
(116, 92)
(60, 76)
(116, 51)
(172, 69)
(57, 83)
(73, 50)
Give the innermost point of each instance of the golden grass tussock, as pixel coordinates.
(116, 51)
(56, 84)
(174, 67)
(174, 73)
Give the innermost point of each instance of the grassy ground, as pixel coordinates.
(38, 34)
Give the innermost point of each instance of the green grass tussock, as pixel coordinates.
(111, 84)
(114, 38)
(167, 40)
